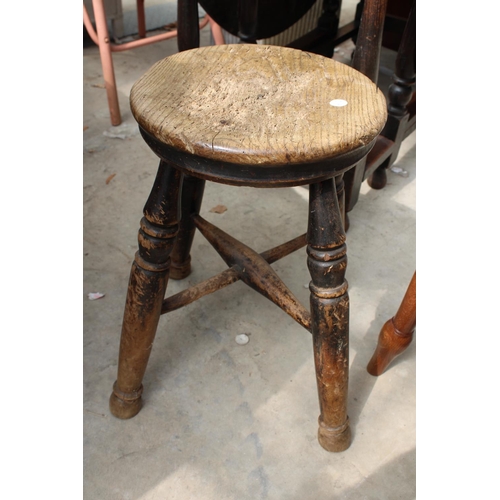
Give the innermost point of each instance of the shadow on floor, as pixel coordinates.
(395, 480)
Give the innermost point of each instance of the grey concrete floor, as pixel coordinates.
(221, 420)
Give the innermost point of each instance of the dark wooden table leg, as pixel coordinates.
(147, 285)
(397, 333)
(400, 94)
(327, 263)
(353, 179)
(192, 196)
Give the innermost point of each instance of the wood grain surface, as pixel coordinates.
(257, 104)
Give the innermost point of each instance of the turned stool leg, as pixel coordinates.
(192, 196)
(146, 291)
(327, 262)
(397, 333)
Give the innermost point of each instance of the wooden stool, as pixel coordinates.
(261, 116)
(397, 333)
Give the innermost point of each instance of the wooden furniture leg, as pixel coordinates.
(366, 59)
(192, 196)
(340, 188)
(397, 333)
(147, 286)
(401, 105)
(104, 44)
(141, 19)
(327, 263)
(400, 95)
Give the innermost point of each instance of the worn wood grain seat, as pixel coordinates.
(257, 111)
(248, 115)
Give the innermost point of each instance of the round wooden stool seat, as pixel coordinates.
(259, 106)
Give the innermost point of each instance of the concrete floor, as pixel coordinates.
(221, 420)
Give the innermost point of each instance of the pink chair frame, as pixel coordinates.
(100, 37)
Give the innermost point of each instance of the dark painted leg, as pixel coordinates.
(192, 196)
(353, 179)
(327, 262)
(397, 333)
(378, 179)
(400, 94)
(339, 187)
(147, 285)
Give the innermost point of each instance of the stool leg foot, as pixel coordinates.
(126, 406)
(338, 439)
(378, 179)
(191, 198)
(327, 262)
(147, 285)
(179, 271)
(142, 313)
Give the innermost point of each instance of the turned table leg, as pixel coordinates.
(192, 196)
(147, 285)
(327, 262)
(397, 333)
(399, 96)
